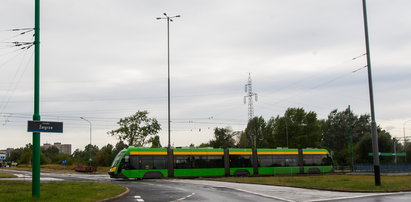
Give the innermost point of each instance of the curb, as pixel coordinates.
(116, 197)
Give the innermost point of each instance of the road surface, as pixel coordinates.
(204, 190)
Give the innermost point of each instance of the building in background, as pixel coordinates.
(2, 155)
(63, 148)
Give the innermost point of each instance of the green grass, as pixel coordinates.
(6, 175)
(331, 182)
(58, 191)
(57, 168)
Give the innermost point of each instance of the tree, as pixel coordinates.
(364, 147)
(51, 154)
(80, 156)
(155, 142)
(135, 129)
(104, 157)
(16, 154)
(243, 141)
(297, 129)
(336, 133)
(119, 146)
(223, 138)
(255, 127)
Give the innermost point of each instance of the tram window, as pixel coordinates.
(278, 161)
(146, 162)
(308, 160)
(199, 162)
(265, 160)
(215, 162)
(159, 162)
(182, 162)
(133, 162)
(317, 160)
(240, 161)
(291, 160)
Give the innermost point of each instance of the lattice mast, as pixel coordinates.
(250, 94)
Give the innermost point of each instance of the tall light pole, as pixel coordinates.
(168, 18)
(90, 159)
(374, 134)
(36, 115)
(403, 128)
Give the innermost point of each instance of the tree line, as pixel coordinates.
(346, 135)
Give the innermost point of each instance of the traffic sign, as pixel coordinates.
(44, 127)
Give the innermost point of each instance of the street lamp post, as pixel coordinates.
(403, 128)
(168, 18)
(90, 159)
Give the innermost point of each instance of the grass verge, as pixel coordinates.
(59, 191)
(56, 168)
(6, 175)
(362, 183)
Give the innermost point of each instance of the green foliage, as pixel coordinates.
(223, 138)
(155, 142)
(83, 156)
(254, 132)
(136, 128)
(296, 129)
(364, 146)
(105, 156)
(243, 141)
(337, 130)
(304, 129)
(100, 157)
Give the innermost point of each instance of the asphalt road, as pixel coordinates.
(204, 190)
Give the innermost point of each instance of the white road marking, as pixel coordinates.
(353, 197)
(139, 199)
(184, 198)
(260, 194)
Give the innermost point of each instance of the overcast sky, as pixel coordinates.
(106, 59)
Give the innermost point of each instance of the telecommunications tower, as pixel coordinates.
(250, 94)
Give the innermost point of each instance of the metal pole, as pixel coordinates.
(89, 160)
(403, 127)
(36, 115)
(168, 73)
(168, 18)
(395, 150)
(373, 122)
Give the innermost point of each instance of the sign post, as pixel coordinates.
(36, 116)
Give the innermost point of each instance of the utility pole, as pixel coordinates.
(250, 94)
(376, 160)
(36, 116)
